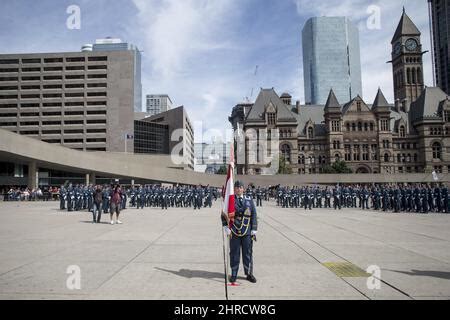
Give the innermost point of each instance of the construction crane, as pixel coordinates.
(251, 93)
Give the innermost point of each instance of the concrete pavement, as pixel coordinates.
(177, 254)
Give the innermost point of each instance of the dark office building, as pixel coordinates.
(176, 128)
(440, 20)
(151, 138)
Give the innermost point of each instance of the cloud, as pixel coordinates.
(375, 46)
(191, 52)
(175, 31)
(349, 8)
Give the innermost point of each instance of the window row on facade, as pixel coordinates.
(56, 77)
(54, 113)
(52, 86)
(413, 76)
(53, 95)
(52, 60)
(53, 104)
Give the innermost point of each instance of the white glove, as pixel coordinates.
(253, 233)
(227, 230)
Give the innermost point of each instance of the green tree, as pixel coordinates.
(222, 170)
(283, 167)
(337, 167)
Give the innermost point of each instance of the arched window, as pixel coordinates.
(337, 157)
(359, 126)
(402, 131)
(301, 159)
(358, 106)
(286, 152)
(348, 126)
(310, 133)
(366, 126)
(371, 126)
(413, 71)
(271, 118)
(437, 150)
(408, 75)
(353, 126)
(386, 157)
(334, 145)
(419, 76)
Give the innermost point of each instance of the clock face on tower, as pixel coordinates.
(411, 44)
(397, 48)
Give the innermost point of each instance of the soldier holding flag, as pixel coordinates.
(239, 222)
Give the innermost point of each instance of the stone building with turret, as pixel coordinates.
(408, 136)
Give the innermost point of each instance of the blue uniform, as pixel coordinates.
(245, 221)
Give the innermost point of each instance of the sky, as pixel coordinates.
(209, 55)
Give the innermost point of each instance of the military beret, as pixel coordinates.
(238, 184)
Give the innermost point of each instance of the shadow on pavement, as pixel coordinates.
(187, 273)
(422, 273)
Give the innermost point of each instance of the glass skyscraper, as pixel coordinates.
(112, 44)
(439, 11)
(331, 59)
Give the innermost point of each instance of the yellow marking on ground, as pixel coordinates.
(346, 270)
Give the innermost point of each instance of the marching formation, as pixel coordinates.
(419, 198)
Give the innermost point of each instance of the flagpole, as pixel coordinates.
(225, 265)
(227, 209)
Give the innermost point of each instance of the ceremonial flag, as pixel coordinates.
(228, 197)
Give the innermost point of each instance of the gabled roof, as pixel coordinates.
(347, 106)
(405, 28)
(313, 113)
(427, 104)
(264, 99)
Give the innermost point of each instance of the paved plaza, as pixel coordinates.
(177, 254)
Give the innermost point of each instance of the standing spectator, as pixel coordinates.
(116, 199)
(98, 200)
(38, 194)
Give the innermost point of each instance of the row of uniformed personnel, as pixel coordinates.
(81, 197)
(422, 198)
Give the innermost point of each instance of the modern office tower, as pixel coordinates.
(439, 11)
(114, 44)
(157, 103)
(331, 59)
(81, 100)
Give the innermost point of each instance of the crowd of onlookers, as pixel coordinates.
(27, 194)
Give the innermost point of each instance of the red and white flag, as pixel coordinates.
(228, 196)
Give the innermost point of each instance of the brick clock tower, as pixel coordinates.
(407, 65)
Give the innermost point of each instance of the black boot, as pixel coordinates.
(251, 278)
